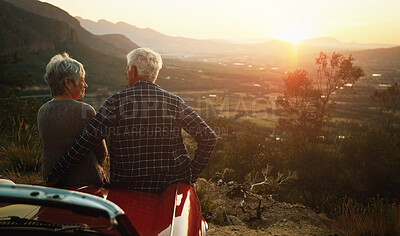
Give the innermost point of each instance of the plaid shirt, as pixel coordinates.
(144, 126)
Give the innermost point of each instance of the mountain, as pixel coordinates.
(50, 11)
(383, 56)
(38, 38)
(23, 31)
(119, 41)
(180, 46)
(105, 73)
(164, 44)
(329, 42)
(144, 37)
(322, 41)
(243, 41)
(190, 48)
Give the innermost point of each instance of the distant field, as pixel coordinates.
(245, 91)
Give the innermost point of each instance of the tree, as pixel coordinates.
(266, 185)
(389, 102)
(11, 84)
(333, 73)
(307, 103)
(302, 106)
(370, 163)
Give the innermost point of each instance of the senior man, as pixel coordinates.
(144, 124)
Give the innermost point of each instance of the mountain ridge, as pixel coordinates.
(181, 45)
(84, 36)
(335, 43)
(162, 43)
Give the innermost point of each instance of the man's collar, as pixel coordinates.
(145, 82)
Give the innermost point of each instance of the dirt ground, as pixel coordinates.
(231, 216)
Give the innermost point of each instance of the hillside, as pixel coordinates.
(21, 30)
(228, 212)
(119, 41)
(39, 38)
(329, 42)
(102, 71)
(388, 55)
(83, 36)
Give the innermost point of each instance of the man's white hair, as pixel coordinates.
(147, 62)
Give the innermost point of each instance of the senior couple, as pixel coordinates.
(143, 124)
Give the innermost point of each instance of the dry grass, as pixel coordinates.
(379, 217)
(23, 177)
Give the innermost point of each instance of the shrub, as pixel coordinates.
(208, 206)
(23, 153)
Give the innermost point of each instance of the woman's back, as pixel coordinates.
(60, 122)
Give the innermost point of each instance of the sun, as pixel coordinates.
(295, 34)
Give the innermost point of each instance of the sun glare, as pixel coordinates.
(295, 34)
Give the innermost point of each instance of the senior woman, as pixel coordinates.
(62, 120)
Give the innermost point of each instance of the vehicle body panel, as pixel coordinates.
(176, 211)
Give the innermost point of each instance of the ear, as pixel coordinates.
(67, 83)
(132, 72)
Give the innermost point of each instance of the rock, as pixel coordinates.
(220, 216)
(234, 220)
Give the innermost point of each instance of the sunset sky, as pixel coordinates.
(361, 21)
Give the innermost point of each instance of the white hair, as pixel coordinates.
(62, 66)
(147, 62)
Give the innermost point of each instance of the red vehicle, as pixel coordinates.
(28, 209)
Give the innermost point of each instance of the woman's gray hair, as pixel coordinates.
(147, 62)
(62, 66)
